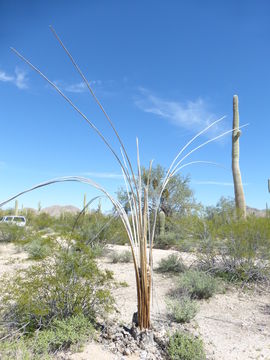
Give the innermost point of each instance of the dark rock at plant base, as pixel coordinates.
(135, 320)
(122, 341)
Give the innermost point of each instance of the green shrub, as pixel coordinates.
(185, 347)
(238, 249)
(65, 285)
(41, 221)
(182, 310)
(123, 257)
(17, 349)
(39, 247)
(198, 284)
(126, 256)
(11, 233)
(172, 264)
(166, 241)
(123, 284)
(37, 250)
(62, 334)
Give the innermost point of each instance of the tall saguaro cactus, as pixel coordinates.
(238, 186)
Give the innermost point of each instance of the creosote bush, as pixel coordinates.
(66, 285)
(185, 347)
(122, 257)
(182, 310)
(198, 284)
(39, 247)
(171, 264)
(63, 334)
(237, 249)
(11, 233)
(60, 335)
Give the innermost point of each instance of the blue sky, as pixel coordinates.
(162, 70)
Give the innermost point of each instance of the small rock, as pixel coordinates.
(126, 352)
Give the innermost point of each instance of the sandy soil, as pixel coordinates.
(233, 326)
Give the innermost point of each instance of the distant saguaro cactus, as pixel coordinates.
(85, 210)
(238, 186)
(99, 210)
(268, 185)
(16, 210)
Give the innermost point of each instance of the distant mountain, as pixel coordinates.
(256, 212)
(58, 210)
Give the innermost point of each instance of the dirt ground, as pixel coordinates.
(233, 326)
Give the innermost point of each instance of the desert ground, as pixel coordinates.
(234, 325)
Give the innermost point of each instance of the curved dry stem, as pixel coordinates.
(125, 155)
(193, 139)
(205, 143)
(176, 168)
(81, 114)
(115, 202)
(83, 211)
(94, 96)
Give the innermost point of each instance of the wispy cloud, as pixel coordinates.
(19, 78)
(218, 183)
(76, 88)
(79, 87)
(103, 175)
(191, 115)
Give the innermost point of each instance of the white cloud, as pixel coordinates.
(76, 88)
(79, 87)
(4, 77)
(103, 175)
(18, 79)
(191, 115)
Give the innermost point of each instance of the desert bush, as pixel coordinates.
(60, 335)
(41, 221)
(65, 285)
(185, 347)
(37, 245)
(91, 229)
(169, 239)
(11, 233)
(182, 310)
(171, 264)
(39, 248)
(182, 233)
(237, 250)
(17, 349)
(123, 284)
(198, 284)
(122, 257)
